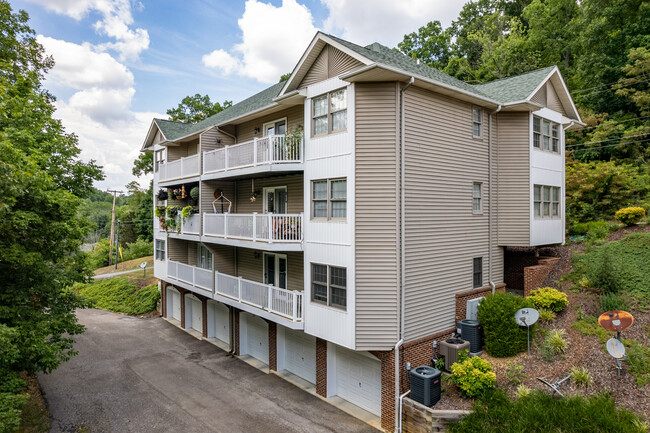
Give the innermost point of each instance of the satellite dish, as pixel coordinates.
(526, 316)
(615, 348)
(143, 265)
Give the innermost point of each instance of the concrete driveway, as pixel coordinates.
(145, 375)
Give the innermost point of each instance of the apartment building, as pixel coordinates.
(345, 216)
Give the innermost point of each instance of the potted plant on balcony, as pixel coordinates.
(162, 195)
(171, 223)
(179, 193)
(194, 196)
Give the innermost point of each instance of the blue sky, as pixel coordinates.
(119, 63)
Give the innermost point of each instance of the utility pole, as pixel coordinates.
(110, 249)
(117, 242)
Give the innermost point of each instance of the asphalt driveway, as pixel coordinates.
(146, 375)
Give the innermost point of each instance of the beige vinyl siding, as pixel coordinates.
(540, 96)
(177, 250)
(294, 115)
(294, 184)
(442, 234)
(182, 150)
(331, 62)
(157, 138)
(514, 179)
(548, 97)
(376, 198)
(192, 256)
(208, 190)
(223, 257)
(252, 268)
(209, 139)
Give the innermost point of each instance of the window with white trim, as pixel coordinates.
(546, 135)
(329, 285)
(159, 158)
(160, 250)
(204, 257)
(546, 201)
(329, 199)
(477, 117)
(477, 197)
(477, 272)
(329, 113)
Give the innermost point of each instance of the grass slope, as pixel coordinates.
(125, 266)
(120, 295)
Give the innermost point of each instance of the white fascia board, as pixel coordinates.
(144, 147)
(554, 71)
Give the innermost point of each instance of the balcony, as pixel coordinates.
(270, 153)
(283, 231)
(276, 304)
(191, 226)
(183, 168)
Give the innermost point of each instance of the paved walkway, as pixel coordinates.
(146, 375)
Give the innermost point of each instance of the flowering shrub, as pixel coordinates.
(473, 376)
(549, 298)
(630, 215)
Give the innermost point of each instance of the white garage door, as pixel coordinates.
(175, 303)
(300, 354)
(358, 380)
(221, 325)
(197, 314)
(257, 338)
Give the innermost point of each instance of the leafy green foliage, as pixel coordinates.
(515, 373)
(193, 109)
(430, 44)
(555, 343)
(638, 358)
(630, 215)
(473, 376)
(581, 376)
(522, 391)
(612, 301)
(546, 315)
(549, 299)
(143, 164)
(11, 406)
(590, 326)
(120, 295)
(496, 313)
(540, 412)
(140, 248)
(618, 266)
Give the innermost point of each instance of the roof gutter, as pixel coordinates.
(492, 285)
(398, 406)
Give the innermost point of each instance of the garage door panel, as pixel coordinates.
(257, 338)
(300, 354)
(197, 315)
(221, 322)
(176, 305)
(358, 380)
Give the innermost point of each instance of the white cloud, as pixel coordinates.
(385, 21)
(273, 38)
(115, 23)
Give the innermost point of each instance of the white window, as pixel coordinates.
(159, 158)
(477, 114)
(329, 198)
(330, 113)
(546, 201)
(546, 135)
(329, 285)
(204, 257)
(160, 250)
(477, 197)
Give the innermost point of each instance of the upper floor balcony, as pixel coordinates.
(183, 168)
(278, 153)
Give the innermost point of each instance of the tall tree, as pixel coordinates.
(42, 180)
(193, 109)
(430, 44)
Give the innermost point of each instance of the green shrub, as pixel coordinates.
(612, 301)
(630, 215)
(592, 231)
(549, 299)
(580, 376)
(98, 257)
(546, 315)
(579, 229)
(515, 373)
(120, 295)
(473, 376)
(539, 412)
(137, 249)
(638, 358)
(522, 391)
(11, 406)
(496, 313)
(555, 343)
(590, 326)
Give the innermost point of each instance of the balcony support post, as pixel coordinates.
(271, 228)
(294, 298)
(255, 151)
(269, 291)
(254, 226)
(239, 289)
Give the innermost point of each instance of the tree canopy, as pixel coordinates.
(193, 109)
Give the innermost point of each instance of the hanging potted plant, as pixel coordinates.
(194, 196)
(162, 195)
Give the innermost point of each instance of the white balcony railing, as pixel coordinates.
(286, 228)
(198, 277)
(191, 225)
(283, 302)
(179, 169)
(272, 149)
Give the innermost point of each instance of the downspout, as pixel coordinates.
(492, 285)
(398, 407)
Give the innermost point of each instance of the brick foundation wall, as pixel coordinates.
(273, 346)
(463, 297)
(321, 367)
(534, 276)
(387, 359)
(513, 268)
(182, 292)
(204, 314)
(236, 345)
(163, 298)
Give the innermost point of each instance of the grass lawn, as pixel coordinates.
(125, 266)
(121, 295)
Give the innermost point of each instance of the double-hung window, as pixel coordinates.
(160, 250)
(546, 135)
(477, 197)
(477, 265)
(330, 113)
(204, 257)
(477, 117)
(329, 285)
(159, 159)
(546, 201)
(329, 198)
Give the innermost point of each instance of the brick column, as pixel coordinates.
(204, 312)
(236, 312)
(273, 346)
(321, 367)
(387, 389)
(182, 292)
(163, 298)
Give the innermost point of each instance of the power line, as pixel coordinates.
(615, 122)
(607, 90)
(604, 141)
(604, 147)
(609, 84)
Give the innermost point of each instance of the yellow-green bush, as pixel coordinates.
(473, 376)
(549, 298)
(630, 215)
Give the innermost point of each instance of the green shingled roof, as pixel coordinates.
(515, 88)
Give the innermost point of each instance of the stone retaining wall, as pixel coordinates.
(417, 418)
